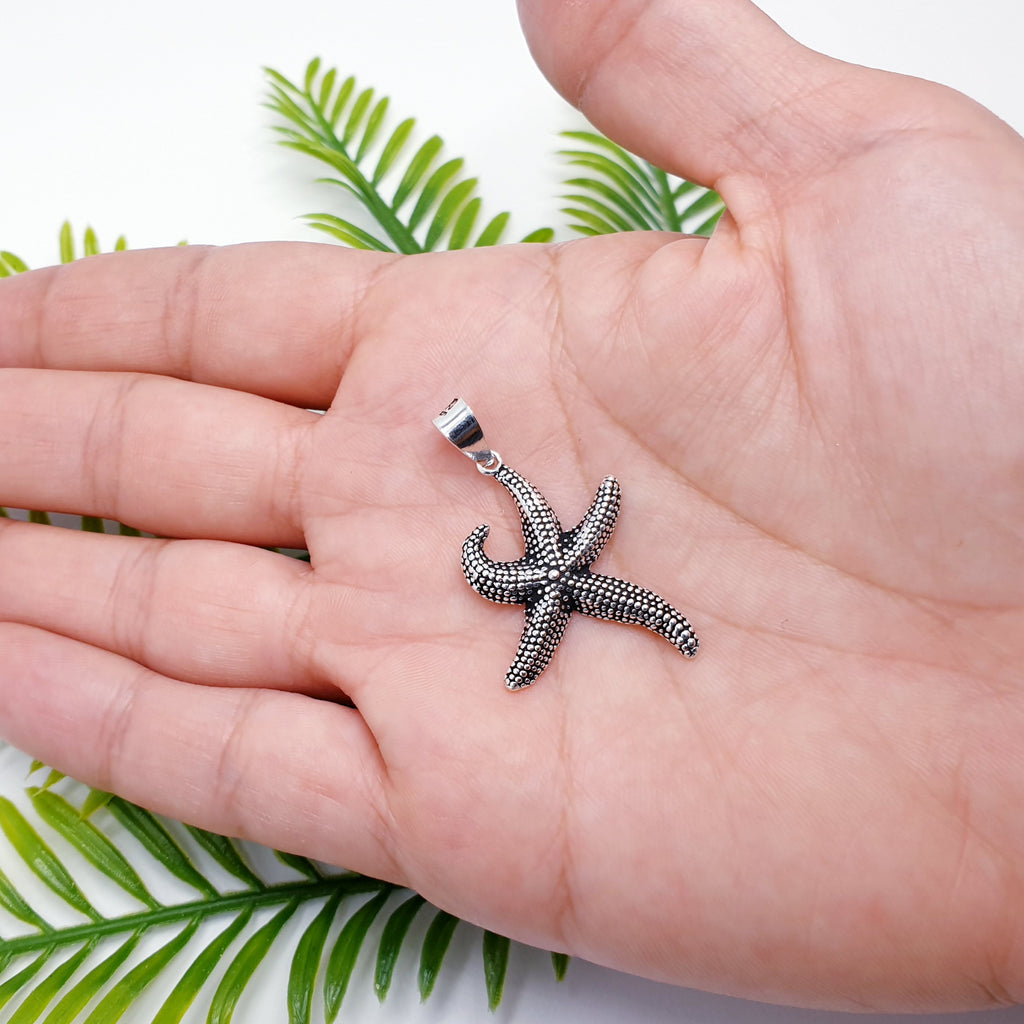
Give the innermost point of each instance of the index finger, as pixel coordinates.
(274, 319)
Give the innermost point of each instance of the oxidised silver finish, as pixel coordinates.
(553, 578)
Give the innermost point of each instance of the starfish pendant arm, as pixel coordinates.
(542, 532)
(502, 582)
(585, 542)
(546, 620)
(605, 597)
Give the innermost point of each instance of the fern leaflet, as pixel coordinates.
(342, 126)
(621, 192)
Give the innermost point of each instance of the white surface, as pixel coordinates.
(144, 118)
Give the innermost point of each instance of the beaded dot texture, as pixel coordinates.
(553, 578)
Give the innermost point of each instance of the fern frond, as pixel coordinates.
(332, 121)
(99, 971)
(621, 192)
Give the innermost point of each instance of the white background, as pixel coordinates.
(145, 118)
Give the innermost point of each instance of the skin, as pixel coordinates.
(817, 418)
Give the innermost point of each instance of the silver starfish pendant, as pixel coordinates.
(553, 578)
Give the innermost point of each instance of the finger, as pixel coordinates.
(273, 319)
(140, 597)
(280, 768)
(704, 88)
(163, 455)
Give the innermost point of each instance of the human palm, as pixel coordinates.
(817, 418)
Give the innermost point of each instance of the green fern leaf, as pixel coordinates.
(311, 69)
(326, 86)
(356, 115)
(624, 193)
(14, 984)
(592, 220)
(432, 191)
(342, 960)
(302, 865)
(41, 860)
(703, 203)
(11, 900)
(314, 111)
(97, 798)
(392, 148)
(242, 968)
(67, 243)
(306, 963)
(560, 965)
(346, 231)
(52, 778)
(418, 166)
(602, 209)
(278, 78)
(226, 854)
(113, 1005)
(11, 264)
(283, 103)
(50, 987)
(463, 226)
(341, 100)
(496, 952)
(639, 173)
(187, 990)
(391, 940)
(435, 947)
(633, 192)
(446, 211)
(636, 217)
(491, 235)
(160, 844)
(85, 990)
(706, 227)
(92, 844)
(372, 129)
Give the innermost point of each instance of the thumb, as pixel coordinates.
(704, 88)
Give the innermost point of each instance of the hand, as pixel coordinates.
(817, 418)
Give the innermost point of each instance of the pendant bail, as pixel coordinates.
(458, 423)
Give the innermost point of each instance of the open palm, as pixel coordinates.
(817, 418)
